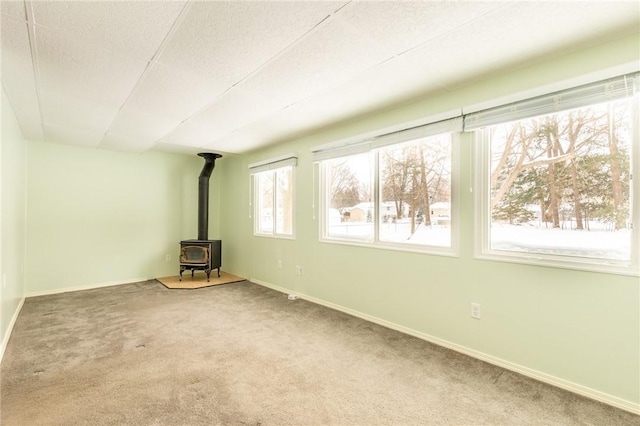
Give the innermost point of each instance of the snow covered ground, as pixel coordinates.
(597, 242)
(400, 232)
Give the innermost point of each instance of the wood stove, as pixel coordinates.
(202, 254)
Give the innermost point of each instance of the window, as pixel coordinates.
(273, 185)
(393, 191)
(349, 197)
(557, 188)
(415, 192)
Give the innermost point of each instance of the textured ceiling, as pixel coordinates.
(188, 76)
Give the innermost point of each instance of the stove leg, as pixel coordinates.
(218, 272)
(208, 271)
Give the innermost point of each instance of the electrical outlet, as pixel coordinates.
(279, 263)
(475, 310)
(167, 258)
(299, 270)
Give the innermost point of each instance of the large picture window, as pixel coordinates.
(558, 187)
(273, 194)
(396, 193)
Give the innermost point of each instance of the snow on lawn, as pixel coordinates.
(399, 232)
(595, 243)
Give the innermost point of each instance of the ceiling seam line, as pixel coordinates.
(31, 34)
(418, 46)
(451, 30)
(290, 45)
(389, 59)
(174, 26)
(255, 71)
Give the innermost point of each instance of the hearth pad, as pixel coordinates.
(199, 280)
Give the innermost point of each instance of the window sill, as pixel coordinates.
(277, 236)
(588, 265)
(427, 250)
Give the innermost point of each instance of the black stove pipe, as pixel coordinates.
(203, 193)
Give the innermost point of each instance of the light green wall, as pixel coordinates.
(97, 217)
(578, 327)
(12, 208)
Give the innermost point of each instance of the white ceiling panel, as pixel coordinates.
(190, 133)
(78, 113)
(18, 77)
(174, 92)
(334, 53)
(128, 28)
(247, 138)
(178, 149)
(120, 142)
(230, 112)
(142, 124)
(234, 76)
(76, 68)
(399, 26)
(72, 135)
(230, 40)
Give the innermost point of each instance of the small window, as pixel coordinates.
(273, 198)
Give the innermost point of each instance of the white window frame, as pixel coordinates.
(324, 207)
(482, 246)
(372, 146)
(272, 166)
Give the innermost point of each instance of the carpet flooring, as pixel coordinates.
(242, 354)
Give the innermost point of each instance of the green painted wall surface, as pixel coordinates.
(12, 206)
(97, 217)
(576, 326)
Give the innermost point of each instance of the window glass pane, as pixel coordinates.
(284, 201)
(415, 192)
(349, 197)
(264, 191)
(560, 184)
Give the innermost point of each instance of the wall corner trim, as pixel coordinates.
(525, 371)
(7, 336)
(85, 287)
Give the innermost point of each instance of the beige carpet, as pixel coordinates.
(242, 354)
(199, 280)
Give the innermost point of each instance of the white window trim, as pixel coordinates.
(273, 166)
(482, 248)
(452, 251)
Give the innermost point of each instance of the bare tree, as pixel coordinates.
(416, 174)
(577, 162)
(344, 187)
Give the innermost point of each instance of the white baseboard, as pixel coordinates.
(84, 287)
(525, 371)
(7, 334)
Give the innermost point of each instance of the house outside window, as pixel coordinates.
(395, 194)
(415, 192)
(349, 198)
